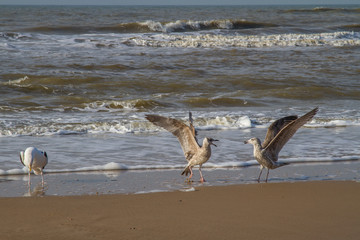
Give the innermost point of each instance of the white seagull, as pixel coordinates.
(194, 153)
(278, 134)
(35, 160)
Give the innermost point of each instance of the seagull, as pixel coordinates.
(277, 136)
(35, 160)
(194, 153)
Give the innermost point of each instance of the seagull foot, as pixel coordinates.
(188, 180)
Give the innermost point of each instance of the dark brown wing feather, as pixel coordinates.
(275, 128)
(278, 142)
(179, 129)
(21, 160)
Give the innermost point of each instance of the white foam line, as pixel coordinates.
(121, 167)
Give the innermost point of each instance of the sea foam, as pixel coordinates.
(138, 124)
(336, 39)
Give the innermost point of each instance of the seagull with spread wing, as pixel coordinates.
(194, 153)
(278, 134)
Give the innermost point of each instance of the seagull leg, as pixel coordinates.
(267, 175)
(261, 168)
(29, 183)
(202, 179)
(42, 179)
(191, 174)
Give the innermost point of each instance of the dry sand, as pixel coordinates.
(302, 210)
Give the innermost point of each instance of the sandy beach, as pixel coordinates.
(301, 210)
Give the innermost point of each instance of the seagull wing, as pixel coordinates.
(192, 128)
(276, 127)
(22, 158)
(45, 159)
(278, 142)
(179, 129)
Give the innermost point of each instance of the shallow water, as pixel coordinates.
(134, 163)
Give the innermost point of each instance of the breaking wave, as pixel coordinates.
(184, 26)
(137, 124)
(153, 26)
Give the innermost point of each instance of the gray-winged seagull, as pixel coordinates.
(34, 159)
(194, 153)
(277, 136)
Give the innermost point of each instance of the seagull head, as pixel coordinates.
(210, 141)
(253, 141)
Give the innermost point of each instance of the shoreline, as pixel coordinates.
(148, 181)
(299, 210)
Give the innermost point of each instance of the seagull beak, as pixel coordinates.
(213, 143)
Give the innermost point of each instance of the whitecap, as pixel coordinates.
(17, 82)
(226, 122)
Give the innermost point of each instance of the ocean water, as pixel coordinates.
(77, 82)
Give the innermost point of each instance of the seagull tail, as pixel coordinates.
(280, 164)
(37, 171)
(186, 171)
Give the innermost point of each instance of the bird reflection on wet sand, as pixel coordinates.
(38, 191)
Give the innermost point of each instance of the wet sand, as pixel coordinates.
(301, 210)
(145, 181)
